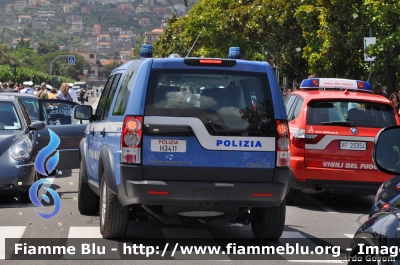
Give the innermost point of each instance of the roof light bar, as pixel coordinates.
(336, 83)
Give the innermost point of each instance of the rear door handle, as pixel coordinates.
(103, 132)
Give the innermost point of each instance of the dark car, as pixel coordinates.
(18, 148)
(387, 196)
(57, 114)
(381, 230)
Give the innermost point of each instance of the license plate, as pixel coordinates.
(168, 146)
(347, 145)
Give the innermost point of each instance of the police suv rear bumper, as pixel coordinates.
(196, 193)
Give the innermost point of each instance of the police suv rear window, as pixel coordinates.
(228, 102)
(359, 113)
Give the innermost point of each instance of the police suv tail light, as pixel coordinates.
(282, 143)
(131, 140)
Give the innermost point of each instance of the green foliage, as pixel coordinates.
(5, 56)
(31, 66)
(302, 37)
(46, 47)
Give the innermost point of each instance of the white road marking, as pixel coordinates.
(318, 203)
(349, 235)
(84, 232)
(9, 232)
(292, 234)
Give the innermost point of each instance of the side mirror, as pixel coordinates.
(37, 125)
(386, 152)
(83, 112)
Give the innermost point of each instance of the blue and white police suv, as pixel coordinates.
(188, 141)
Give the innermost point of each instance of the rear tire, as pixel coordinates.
(268, 223)
(88, 201)
(291, 197)
(114, 217)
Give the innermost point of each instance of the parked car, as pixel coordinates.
(149, 152)
(18, 147)
(58, 116)
(381, 230)
(387, 196)
(332, 124)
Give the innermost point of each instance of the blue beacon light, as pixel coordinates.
(146, 51)
(234, 53)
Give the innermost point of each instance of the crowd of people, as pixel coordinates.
(46, 91)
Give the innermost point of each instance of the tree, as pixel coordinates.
(23, 44)
(26, 56)
(334, 32)
(384, 19)
(269, 31)
(5, 56)
(46, 47)
(61, 66)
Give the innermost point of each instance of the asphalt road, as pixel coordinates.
(312, 217)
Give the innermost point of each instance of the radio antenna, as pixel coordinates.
(193, 45)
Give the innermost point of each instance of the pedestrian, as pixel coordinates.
(97, 92)
(37, 90)
(64, 110)
(42, 93)
(378, 90)
(82, 96)
(63, 94)
(10, 87)
(52, 94)
(72, 93)
(395, 100)
(4, 86)
(27, 88)
(312, 76)
(286, 91)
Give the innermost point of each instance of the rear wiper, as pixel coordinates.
(345, 123)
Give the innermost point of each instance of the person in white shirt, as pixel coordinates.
(72, 93)
(27, 88)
